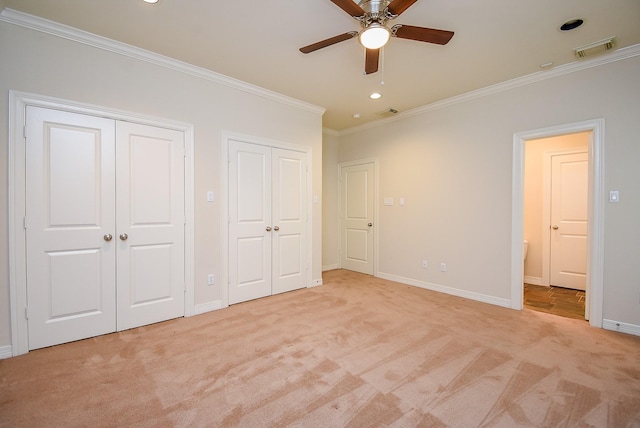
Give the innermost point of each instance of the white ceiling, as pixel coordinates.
(258, 41)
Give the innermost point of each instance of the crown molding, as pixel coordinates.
(539, 76)
(66, 32)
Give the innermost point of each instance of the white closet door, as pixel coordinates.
(150, 224)
(250, 227)
(289, 205)
(70, 205)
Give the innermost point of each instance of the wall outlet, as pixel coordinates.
(211, 279)
(425, 264)
(443, 267)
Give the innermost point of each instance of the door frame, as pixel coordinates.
(595, 219)
(376, 216)
(546, 210)
(18, 101)
(224, 200)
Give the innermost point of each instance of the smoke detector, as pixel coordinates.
(595, 48)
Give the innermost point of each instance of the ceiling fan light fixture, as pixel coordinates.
(374, 36)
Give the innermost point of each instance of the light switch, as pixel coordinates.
(614, 196)
(401, 202)
(210, 196)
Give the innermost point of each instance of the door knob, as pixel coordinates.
(268, 228)
(277, 228)
(555, 227)
(370, 224)
(108, 237)
(124, 236)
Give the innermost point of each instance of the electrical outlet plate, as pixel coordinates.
(443, 267)
(425, 264)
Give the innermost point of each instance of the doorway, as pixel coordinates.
(555, 223)
(595, 249)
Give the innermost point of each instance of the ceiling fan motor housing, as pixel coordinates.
(375, 11)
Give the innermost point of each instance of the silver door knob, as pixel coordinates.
(370, 224)
(108, 237)
(124, 236)
(555, 227)
(268, 228)
(277, 228)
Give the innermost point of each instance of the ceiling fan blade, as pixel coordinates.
(371, 61)
(421, 34)
(398, 6)
(329, 42)
(349, 6)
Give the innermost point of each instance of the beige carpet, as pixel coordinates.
(355, 352)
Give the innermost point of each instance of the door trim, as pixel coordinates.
(595, 232)
(376, 226)
(18, 101)
(224, 200)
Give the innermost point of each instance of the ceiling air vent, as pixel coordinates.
(388, 112)
(595, 48)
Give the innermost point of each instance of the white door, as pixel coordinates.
(70, 208)
(357, 207)
(289, 248)
(267, 221)
(569, 204)
(150, 222)
(250, 226)
(104, 226)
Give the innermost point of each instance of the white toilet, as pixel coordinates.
(525, 247)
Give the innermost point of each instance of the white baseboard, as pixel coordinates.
(330, 267)
(533, 280)
(315, 283)
(621, 327)
(6, 352)
(506, 303)
(203, 308)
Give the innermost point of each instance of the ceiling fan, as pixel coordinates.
(373, 16)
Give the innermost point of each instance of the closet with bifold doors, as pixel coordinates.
(104, 225)
(267, 200)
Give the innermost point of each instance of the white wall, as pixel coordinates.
(35, 62)
(330, 202)
(453, 164)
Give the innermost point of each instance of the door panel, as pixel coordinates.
(569, 200)
(289, 220)
(150, 219)
(70, 203)
(357, 205)
(249, 218)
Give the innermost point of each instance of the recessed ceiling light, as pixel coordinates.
(356, 116)
(151, 1)
(571, 24)
(375, 96)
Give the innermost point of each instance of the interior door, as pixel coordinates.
(357, 208)
(70, 225)
(150, 224)
(569, 205)
(250, 226)
(289, 202)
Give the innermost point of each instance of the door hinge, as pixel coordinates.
(26, 312)
(24, 222)
(24, 131)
